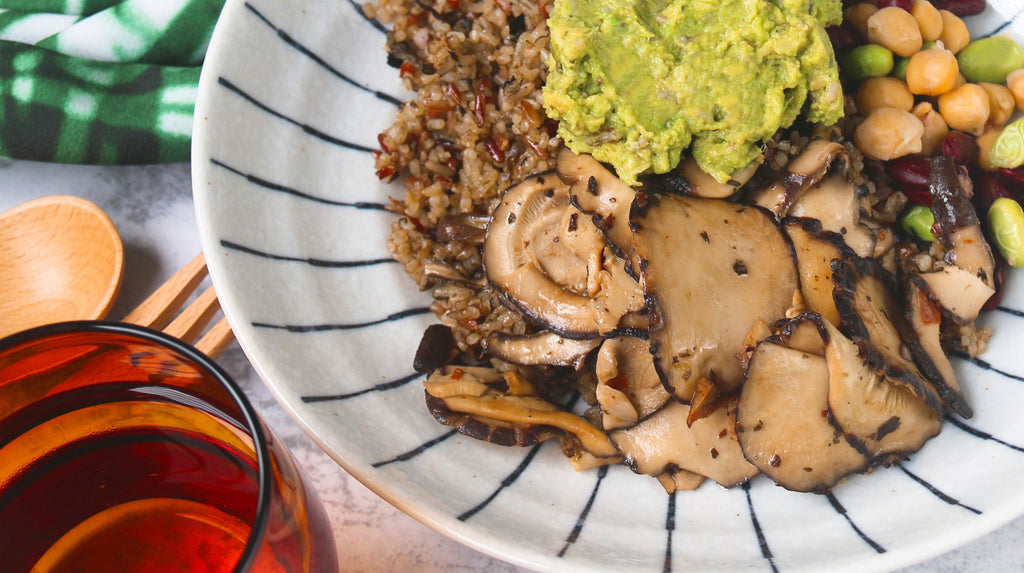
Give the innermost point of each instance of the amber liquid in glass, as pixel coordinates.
(137, 487)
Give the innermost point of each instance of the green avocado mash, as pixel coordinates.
(635, 82)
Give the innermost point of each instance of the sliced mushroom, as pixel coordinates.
(598, 193)
(803, 172)
(815, 250)
(474, 381)
(836, 203)
(680, 480)
(804, 333)
(465, 227)
(960, 293)
(924, 317)
(437, 348)
(883, 418)
(470, 405)
(711, 270)
(865, 296)
(956, 222)
(701, 184)
(665, 441)
(549, 262)
(628, 387)
(440, 271)
(783, 425)
(541, 348)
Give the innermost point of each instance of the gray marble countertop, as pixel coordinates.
(152, 208)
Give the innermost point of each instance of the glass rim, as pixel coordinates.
(251, 417)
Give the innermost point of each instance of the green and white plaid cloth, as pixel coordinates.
(101, 81)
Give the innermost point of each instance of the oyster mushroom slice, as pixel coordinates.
(541, 348)
(782, 421)
(548, 261)
(869, 314)
(664, 441)
(680, 480)
(815, 250)
(924, 317)
(804, 333)
(836, 203)
(628, 387)
(883, 418)
(956, 222)
(959, 293)
(523, 412)
(803, 172)
(701, 184)
(711, 270)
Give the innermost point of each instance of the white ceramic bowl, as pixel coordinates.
(292, 98)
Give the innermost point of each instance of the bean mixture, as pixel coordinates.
(921, 86)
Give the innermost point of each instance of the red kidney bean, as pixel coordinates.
(909, 171)
(918, 196)
(961, 7)
(905, 4)
(961, 148)
(1014, 179)
(844, 37)
(987, 188)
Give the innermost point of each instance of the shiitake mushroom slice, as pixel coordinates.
(548, 261)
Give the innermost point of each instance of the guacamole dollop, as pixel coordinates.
(637, 82)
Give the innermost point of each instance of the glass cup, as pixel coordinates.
(125, 450)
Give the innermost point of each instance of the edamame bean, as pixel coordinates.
(918, 220)
(868, 61)
(899, 68)
(1008, 149)
(1006, 221)
(990, 59)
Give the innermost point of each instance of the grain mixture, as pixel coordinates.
(475, 126)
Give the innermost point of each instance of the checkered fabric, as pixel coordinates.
(101, 81)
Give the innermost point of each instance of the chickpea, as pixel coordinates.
(965, 108)
(985, 142)
(889, 133)
(955, 35)
(886, 91)
(895, 29)
(932, 72)
(1000, 103)
(1015, 81)
(858, 15)
(935, 128)
(928, 19)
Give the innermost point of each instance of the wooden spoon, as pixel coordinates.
(61, 259)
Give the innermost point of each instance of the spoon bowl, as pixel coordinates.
(61, 258)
